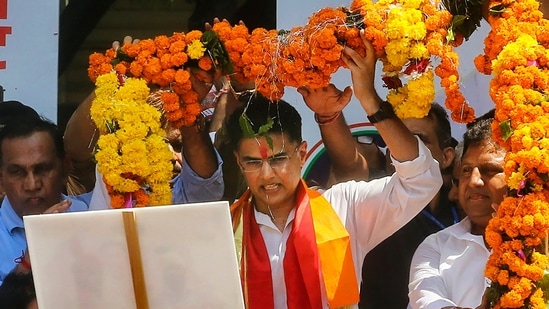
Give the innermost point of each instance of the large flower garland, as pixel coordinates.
(516, 54)
(406, 33)
(132, 155)
(163, 62)
(131, 152)
(304, 56)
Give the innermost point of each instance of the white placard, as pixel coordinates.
(81, 260)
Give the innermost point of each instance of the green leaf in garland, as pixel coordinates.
(269, 141)
(246, 126)
(121, 56)
(458, 20)
(450, 36)
(497, 9)
(505, 129)
(467, 15)
(544, 284)
(217, 51)
(266, 127)
(493, 293)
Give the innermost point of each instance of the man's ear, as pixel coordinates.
(448, 156)
(236, 157)
(302, 152)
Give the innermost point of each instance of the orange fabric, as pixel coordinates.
(317, 243)
(334, 250)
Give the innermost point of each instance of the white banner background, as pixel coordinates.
(30, 53)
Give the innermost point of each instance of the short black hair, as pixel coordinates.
(442, 125)
(17, 291)
(32, 125)
(478, 130)
(15, 111)
(286, 119)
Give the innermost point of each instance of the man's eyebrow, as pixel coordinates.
(249, 158)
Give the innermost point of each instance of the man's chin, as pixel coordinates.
(33, 207)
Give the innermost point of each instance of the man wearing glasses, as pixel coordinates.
(303, 249)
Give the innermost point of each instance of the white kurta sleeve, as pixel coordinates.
(427, 288)
(374, 210)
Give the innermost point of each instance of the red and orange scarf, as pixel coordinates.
(318, 239)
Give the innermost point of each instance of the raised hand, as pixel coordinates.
(362, 74)
(127, 39)
(326, 101)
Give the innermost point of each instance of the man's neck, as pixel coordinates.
(278, 213)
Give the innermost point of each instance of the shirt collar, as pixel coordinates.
(9, 217)
(12, 220)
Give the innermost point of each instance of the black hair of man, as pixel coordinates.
(17, 291)
(30, 126)
(442, 126)
(15, 111)
(286, 119)
(478, 130)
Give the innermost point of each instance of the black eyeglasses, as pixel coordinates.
(276, 162)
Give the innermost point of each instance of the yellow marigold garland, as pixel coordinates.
(162, 62)
(131, 152)
(516, 54)
(405, 34)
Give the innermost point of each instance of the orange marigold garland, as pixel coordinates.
(163, 62)
(304, 56)
(516, 54)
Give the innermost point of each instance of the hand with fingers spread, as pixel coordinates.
(127, 39)
(326, 101)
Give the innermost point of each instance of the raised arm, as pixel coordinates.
(401, 142)
(80, 138)
(327, 103)
(198, 150)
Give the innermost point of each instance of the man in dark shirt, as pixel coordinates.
(386, 268)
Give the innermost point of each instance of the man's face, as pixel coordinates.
(275, 187)
(31, 173)
(425, 129)
(481, 182)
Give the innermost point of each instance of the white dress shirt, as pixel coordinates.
(371, 211)
(448, 269)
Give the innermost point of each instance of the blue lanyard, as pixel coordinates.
(435, 220)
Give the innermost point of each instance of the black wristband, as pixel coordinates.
(385, 111)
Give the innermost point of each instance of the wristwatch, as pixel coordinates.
(385, 111)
